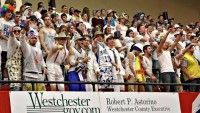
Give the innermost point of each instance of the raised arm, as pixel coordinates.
(160, 46)
(24, 45)
(181, 53)
(12, 44)
(171, 48)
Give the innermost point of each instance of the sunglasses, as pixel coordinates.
(15, 31)
(63, 38)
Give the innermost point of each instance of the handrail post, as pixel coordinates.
(33, 86)
(93, 86)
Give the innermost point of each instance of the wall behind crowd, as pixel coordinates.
(184, 11)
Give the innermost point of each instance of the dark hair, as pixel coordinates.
(63, 15)
(148, 16)
(86, 10)
(78, 24)
(45, 17)
(70, 12)
(139, 26)
(83, 14)
(107, 17)
(145, 47)
(63, 6)
(97, 11)
(17, 13)
(171, 26)
(131, 49)
(192, 37)
(53, 15)
(61, 27)
(40, 7)
(147, 25)
(50, 8)
(160, 16)
(102, 10)
(43, 12)
(39, 4)
(128, 31)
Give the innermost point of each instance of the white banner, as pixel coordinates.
(94, 102)
(196, 105)
(54, 102)
(139, 102)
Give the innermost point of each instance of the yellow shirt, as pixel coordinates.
(192, 67)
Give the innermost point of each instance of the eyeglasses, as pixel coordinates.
(15, 31)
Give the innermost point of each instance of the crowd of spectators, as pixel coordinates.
(72, 45)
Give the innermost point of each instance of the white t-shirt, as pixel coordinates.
(170, 38)
(37, 14)
(88, 25)
(147, 63)
(5, 27)
(123, 30)
(183, 44)
(133, 29)
(165, 62)
(128, 40)
(139, 37)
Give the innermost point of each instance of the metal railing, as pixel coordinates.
(94, 83)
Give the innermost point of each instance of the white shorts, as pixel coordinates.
(54, 73)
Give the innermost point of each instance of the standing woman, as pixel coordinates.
(103, 13)
(96, 20)
(14, 56)
(71, 11)
(86, 10)
(129, 39)
(22, 9)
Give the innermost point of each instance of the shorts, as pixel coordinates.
(54, 73)
(106, 76)
(34, 86)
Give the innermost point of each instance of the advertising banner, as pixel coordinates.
(189, 102)
(54, 102)
(196, 105)
(99, 102)
(139, 102)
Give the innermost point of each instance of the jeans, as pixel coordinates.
(156, 71)
(169, 77)
(194, 88)
(149, 88)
